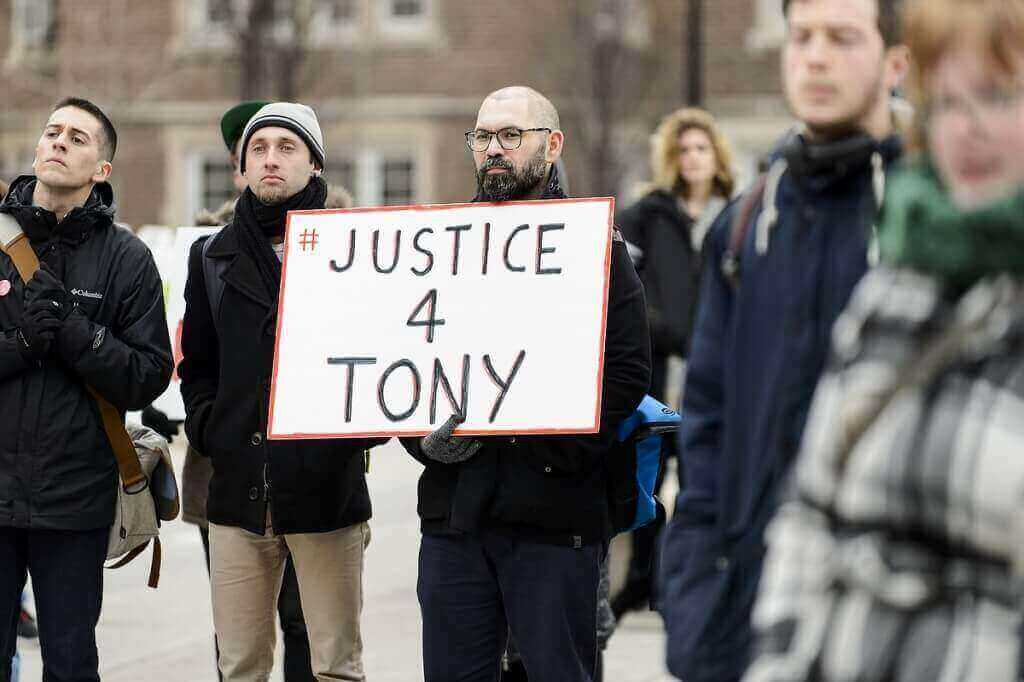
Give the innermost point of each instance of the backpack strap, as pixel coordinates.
(15, 244)
(212, 269)
(740, 227)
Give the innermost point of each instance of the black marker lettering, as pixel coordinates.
(350, 378)
(457, 230)
(541, 249)
(376, 248)
(415, 390)
(508, 245)
(503, 386)
(440, 378)
(425, 252)
(351, 254)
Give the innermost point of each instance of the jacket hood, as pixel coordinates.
(99, 209)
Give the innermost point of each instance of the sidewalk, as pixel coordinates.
(165, 635)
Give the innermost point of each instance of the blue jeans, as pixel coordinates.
(67, 580)
(473, 589)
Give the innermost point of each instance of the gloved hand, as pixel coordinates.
(441, 446)
(39, 324)
(158, 421)
(44, 286)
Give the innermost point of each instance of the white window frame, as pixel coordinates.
(202, 34)
(194, 190)
(769, 29)
(398, 28)
(368, 165)
(325, 31)
(27, 38)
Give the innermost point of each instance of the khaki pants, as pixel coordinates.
(246, 571)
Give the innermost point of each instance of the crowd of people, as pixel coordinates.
(851, 325)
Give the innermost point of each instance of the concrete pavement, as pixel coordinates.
(165, 635)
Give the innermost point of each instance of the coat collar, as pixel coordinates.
(240, 272)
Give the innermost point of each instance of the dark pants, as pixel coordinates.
(67, 581)
(473, 588)
(297, 666)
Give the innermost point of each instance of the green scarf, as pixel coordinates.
(922, 229)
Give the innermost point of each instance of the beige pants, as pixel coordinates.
(246, 571)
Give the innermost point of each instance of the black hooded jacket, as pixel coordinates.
(549, 489)
(57, 469)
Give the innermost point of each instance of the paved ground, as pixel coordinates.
(164, 635)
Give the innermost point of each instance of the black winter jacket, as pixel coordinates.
(310, 485)
(550, 489)
(57, 469)
(670, 270)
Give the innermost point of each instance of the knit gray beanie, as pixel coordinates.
(298, 118)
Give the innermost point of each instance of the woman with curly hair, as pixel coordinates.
(691, 169)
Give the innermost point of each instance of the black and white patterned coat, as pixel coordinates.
(898, 555)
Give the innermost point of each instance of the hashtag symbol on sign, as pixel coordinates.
(309, 239)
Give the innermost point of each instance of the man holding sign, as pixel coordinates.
(269, 497)
(515, 526)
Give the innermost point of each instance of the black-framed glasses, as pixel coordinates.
(509, 138)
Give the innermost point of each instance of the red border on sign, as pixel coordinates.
(594, 428)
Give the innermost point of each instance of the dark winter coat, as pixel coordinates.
(57, 469)
(670, 269)
(551, 489)
(756, 356)
(310, 485)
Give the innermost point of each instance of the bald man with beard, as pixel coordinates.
(515, 527)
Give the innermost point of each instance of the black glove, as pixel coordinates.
(441, 446)
(158, 421)
(44, 286)
(39, 324)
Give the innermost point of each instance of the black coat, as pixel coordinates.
(310, 485)
(551, 489)
(670, 269)
(57, 469)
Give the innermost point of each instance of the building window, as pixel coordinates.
(406, 8)
(341, 173)
(398, 182)
(216, 184)
(769, 30)
(33, 25)
(337, 11)
(406, 19)
(219, 13)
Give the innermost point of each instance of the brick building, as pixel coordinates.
(395, 82)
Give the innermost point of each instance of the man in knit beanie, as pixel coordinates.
(267, 498)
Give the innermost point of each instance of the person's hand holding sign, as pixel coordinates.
(441, 446)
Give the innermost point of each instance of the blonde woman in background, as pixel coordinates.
(691, 169)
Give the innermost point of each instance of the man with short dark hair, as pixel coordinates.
(781, 263)
(269, 498)
(514, 529)
(91, 317)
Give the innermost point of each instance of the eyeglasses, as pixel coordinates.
(509, 138)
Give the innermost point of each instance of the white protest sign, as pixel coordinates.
(174, 272)
(390, 320)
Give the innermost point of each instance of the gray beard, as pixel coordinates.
(516, 184)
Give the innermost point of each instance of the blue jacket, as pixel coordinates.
(756, 355)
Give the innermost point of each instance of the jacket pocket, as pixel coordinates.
(694, 578)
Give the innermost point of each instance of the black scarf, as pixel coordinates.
(257, 223)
